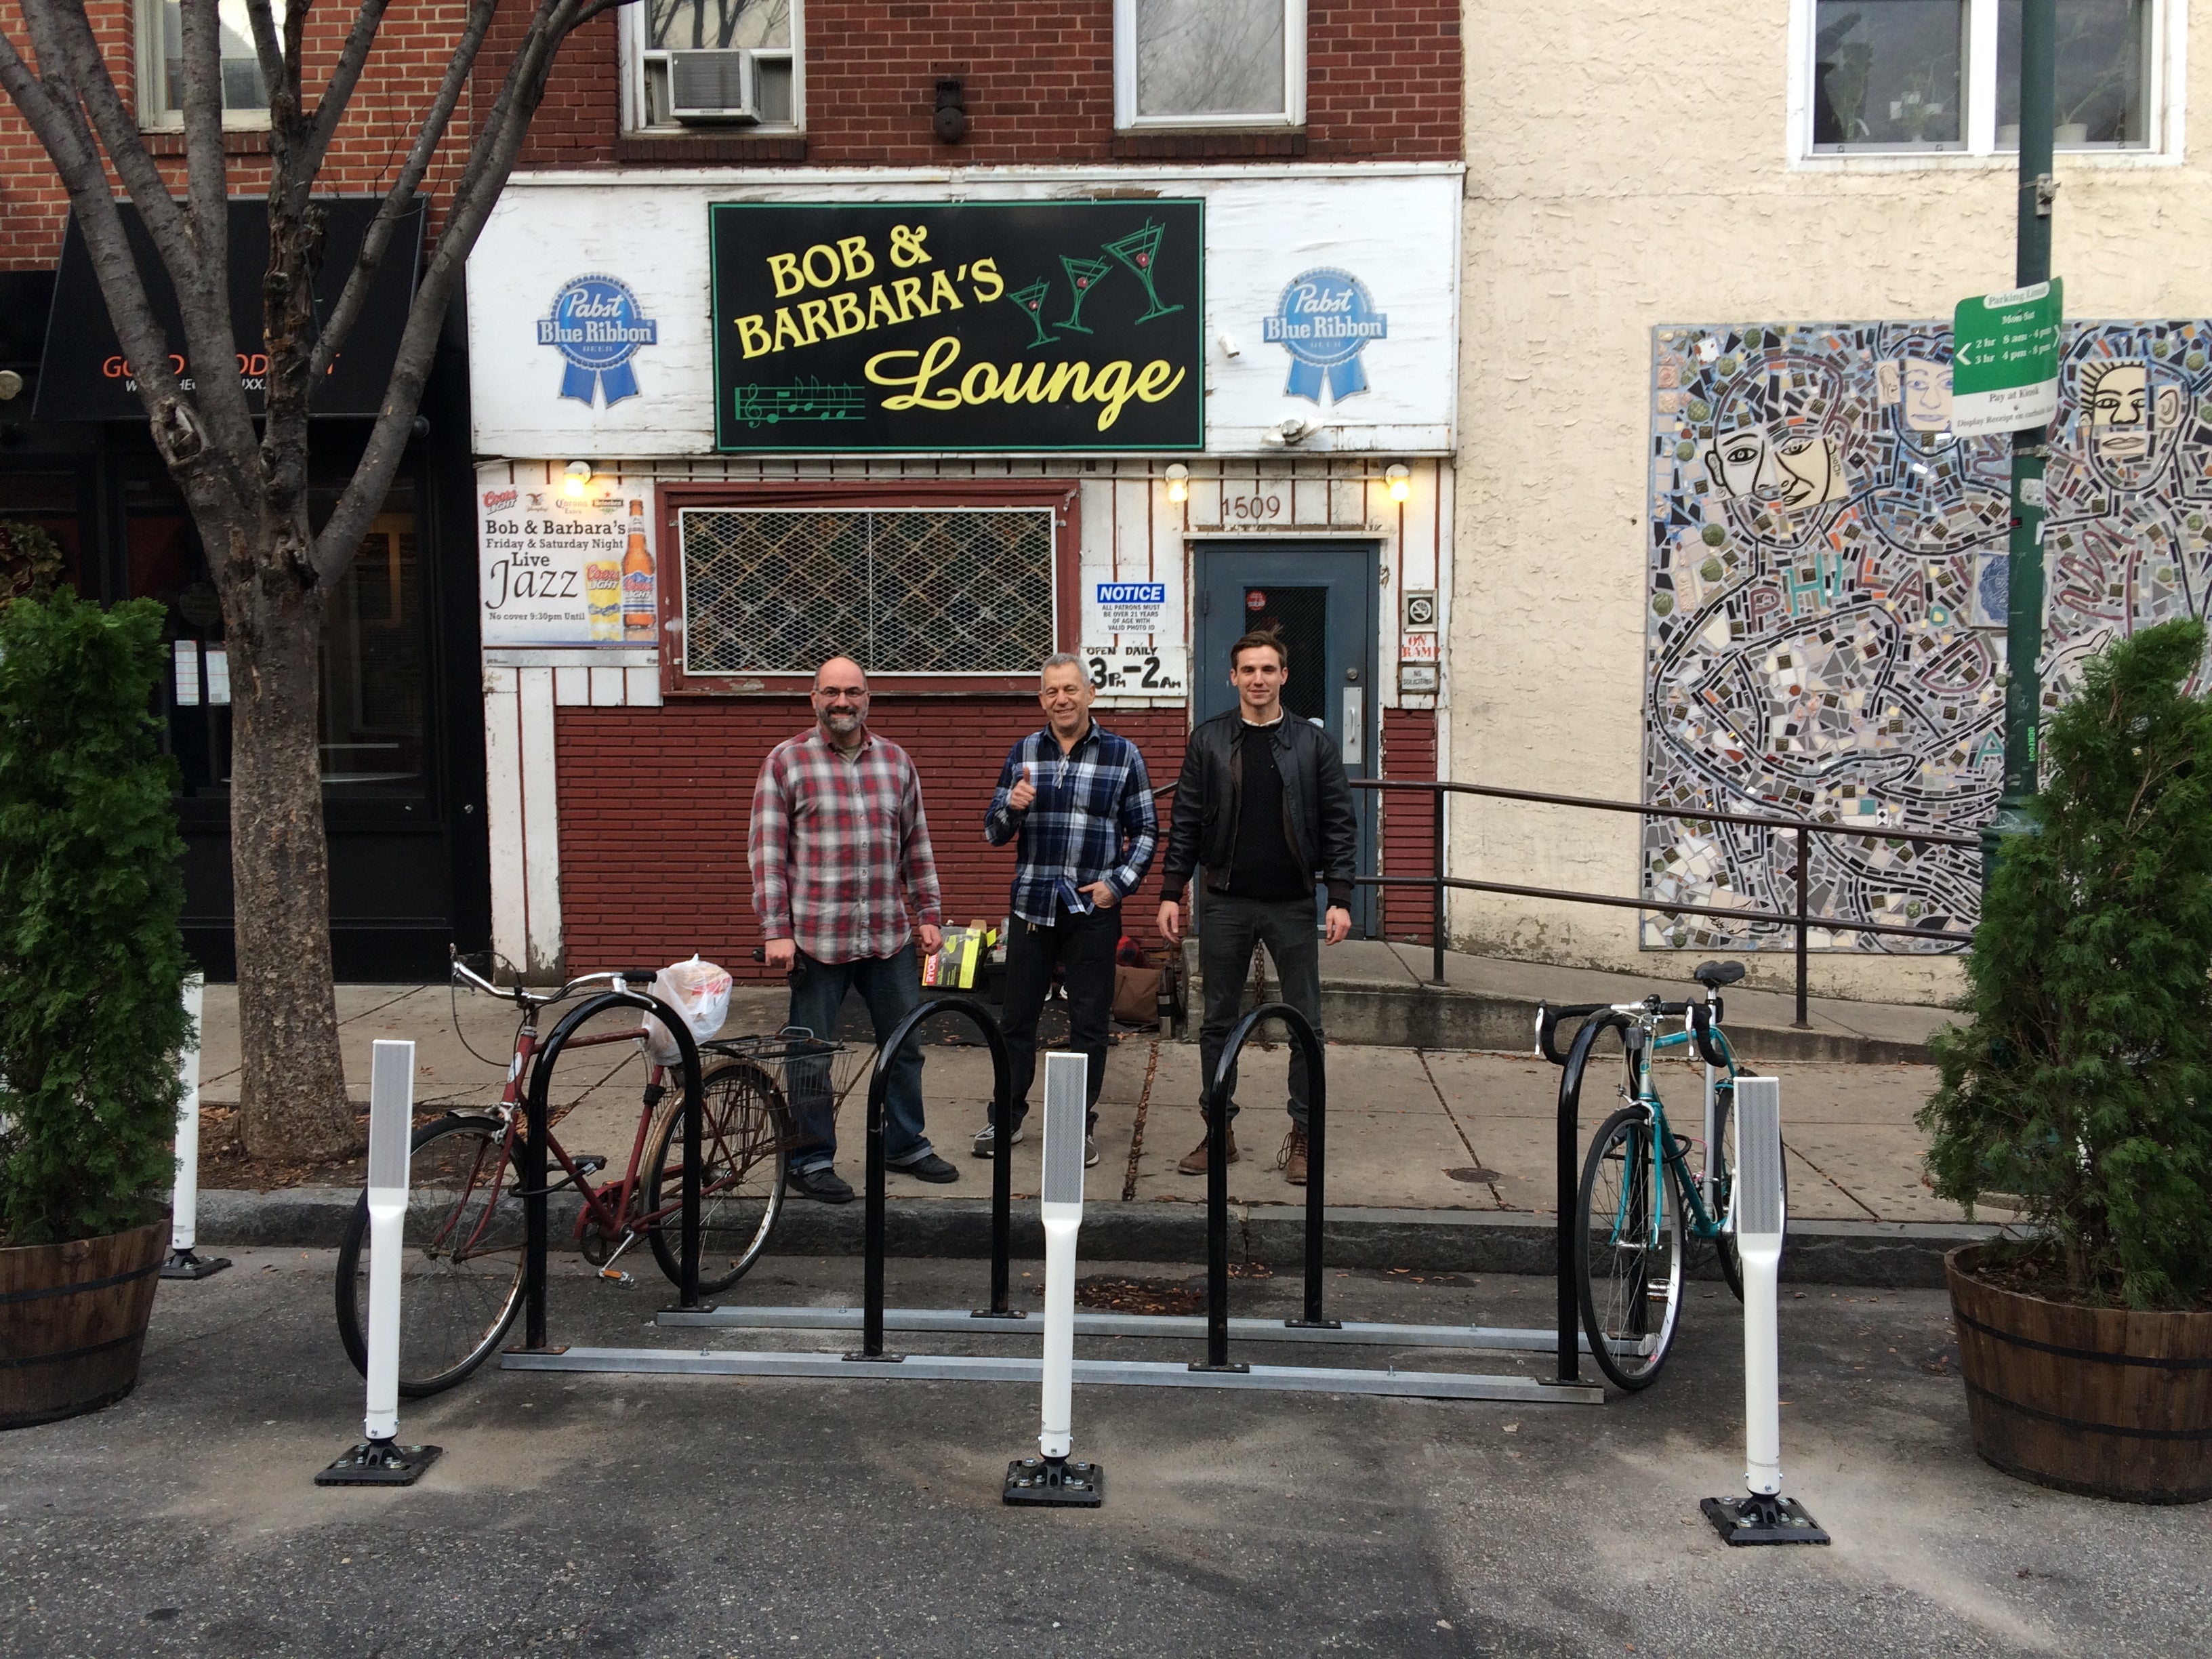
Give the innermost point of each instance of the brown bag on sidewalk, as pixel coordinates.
(1137, 995)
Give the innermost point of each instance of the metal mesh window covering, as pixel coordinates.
(905, 590)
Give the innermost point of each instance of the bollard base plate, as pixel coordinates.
(1762, 1520)
(183, 1264)
(1055, 1483)
(380, 1463)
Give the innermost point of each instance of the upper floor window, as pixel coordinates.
(1209, 63)
(1907, 75)
(732, 63)
(161, 53)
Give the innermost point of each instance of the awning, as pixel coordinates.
(84, 375)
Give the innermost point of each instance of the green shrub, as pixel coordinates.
(92, 966)
(2083, 1082)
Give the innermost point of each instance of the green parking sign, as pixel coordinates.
(2004, 359)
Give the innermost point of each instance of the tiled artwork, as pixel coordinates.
(1827, 595)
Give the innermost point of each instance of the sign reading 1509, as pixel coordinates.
(967, 326)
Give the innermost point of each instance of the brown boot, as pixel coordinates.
(1193, 1161)
(1294, 1157)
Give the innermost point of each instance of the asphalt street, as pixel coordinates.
(626, 1515)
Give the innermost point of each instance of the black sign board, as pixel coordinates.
(959, 326)
(85, 377)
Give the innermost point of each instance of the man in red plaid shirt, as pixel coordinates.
(838, 847)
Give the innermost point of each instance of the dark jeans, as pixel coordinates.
(892, 987)
(1228, 929)
(1083, 945)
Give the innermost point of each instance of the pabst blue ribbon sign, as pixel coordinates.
(1323, 320)
(596, 327)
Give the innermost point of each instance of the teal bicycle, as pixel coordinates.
(1631, 1248)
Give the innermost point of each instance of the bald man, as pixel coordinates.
(839, 848)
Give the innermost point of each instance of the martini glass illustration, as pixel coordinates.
(1082, 275)
(1032, 299)
(1138, 250)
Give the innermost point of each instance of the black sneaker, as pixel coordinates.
(929, 1167)
(824, 1184)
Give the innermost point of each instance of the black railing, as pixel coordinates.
(1436, 881)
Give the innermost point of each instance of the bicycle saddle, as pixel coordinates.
(1714, 974)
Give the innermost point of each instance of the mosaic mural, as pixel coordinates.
(1827, 596)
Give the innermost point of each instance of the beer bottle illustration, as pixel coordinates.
(640, 618)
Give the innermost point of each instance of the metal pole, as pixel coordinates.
(1002, 1175)
(1317, 1160)
(694, 1108)
(533, 1202)
(1217, 1215)
(1801, 1023)
(2038, 31)
(1437, 914)
(872, 1334)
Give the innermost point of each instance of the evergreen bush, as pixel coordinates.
(2083, 1081)
(92, 964)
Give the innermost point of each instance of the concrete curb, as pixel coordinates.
(1888, 1255)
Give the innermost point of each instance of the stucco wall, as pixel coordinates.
(1627, 170)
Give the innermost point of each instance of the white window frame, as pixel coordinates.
(2163, 125)
(630, 34)
(154, 113)
(1126, 119)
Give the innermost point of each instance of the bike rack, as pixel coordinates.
(1216, 1370)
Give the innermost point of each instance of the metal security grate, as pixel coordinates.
(905, 591)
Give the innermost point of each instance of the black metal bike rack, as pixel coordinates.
(533, 1172)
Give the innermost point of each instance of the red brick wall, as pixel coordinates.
(654, 804)
(1382, 81)
(1409, 750)
(401, 77)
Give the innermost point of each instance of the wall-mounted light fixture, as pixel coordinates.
(1400, 477)
(950, 122)
(578, 475)
(1178, 477)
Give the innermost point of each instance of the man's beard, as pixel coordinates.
(844, 721)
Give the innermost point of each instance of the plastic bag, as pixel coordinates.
(697, 990)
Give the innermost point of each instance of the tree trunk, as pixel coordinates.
(292, 1098)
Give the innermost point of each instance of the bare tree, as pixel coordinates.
(247, 490)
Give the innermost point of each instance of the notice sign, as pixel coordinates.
(556, 569)
(2004, 359)
(959, 325)
(1131, 607)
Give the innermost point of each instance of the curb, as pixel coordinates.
(1893, 1255)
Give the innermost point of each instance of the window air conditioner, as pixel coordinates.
(712, 86)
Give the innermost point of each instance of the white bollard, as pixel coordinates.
(1756, 1215)
(380, 1460)
(184, 1197)
(1050, 1478)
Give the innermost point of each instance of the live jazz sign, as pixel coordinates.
(969, 325)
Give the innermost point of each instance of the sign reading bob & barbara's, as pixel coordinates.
(961, 326)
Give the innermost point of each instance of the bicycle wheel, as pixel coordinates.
(742, 1154)
(1628, 1252)
(461, 1254)
(1717, 1159)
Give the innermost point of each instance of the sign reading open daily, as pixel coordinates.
(964, 326)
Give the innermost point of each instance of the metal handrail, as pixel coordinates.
(1438, 881)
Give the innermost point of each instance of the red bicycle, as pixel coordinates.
(463, 1235)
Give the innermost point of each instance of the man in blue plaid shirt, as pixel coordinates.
(1077, 798)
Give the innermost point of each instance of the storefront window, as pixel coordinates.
(912, 591)
(2104, 46)
(371, 724)
(1889, 74)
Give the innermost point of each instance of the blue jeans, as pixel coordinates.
(892, 987)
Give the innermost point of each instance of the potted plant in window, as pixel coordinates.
(91, 969)
(2081, 1084)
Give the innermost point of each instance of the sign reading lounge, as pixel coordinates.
(970, 325)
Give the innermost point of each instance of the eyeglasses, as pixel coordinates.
(841, 693)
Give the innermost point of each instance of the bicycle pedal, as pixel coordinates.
(617, 1276)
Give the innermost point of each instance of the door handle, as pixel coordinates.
(1355, 726)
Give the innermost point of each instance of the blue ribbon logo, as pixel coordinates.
(1323, 319)
(596, 326)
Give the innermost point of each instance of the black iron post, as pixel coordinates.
(1437, 915)
(1804, 837)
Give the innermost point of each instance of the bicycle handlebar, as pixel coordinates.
(1700, 1019)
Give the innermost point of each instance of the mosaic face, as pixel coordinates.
(1823, 576)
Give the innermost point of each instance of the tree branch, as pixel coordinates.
(400, 196)
(207, 291)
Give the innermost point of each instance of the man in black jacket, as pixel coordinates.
(1263, 805)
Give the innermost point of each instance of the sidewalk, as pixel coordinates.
(1419, 1138)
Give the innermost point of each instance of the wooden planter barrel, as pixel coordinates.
(72, 1320)
(2097, 1401)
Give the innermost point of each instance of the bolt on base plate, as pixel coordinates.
(183, 1264)
(1055, 1483)
(380, 1463)
(1762, 1520)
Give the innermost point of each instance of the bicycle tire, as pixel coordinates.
(1716, 1159)
(1618, 1308)
(454, 1306)
(745, 1151)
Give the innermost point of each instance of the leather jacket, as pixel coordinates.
(1318, 819)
